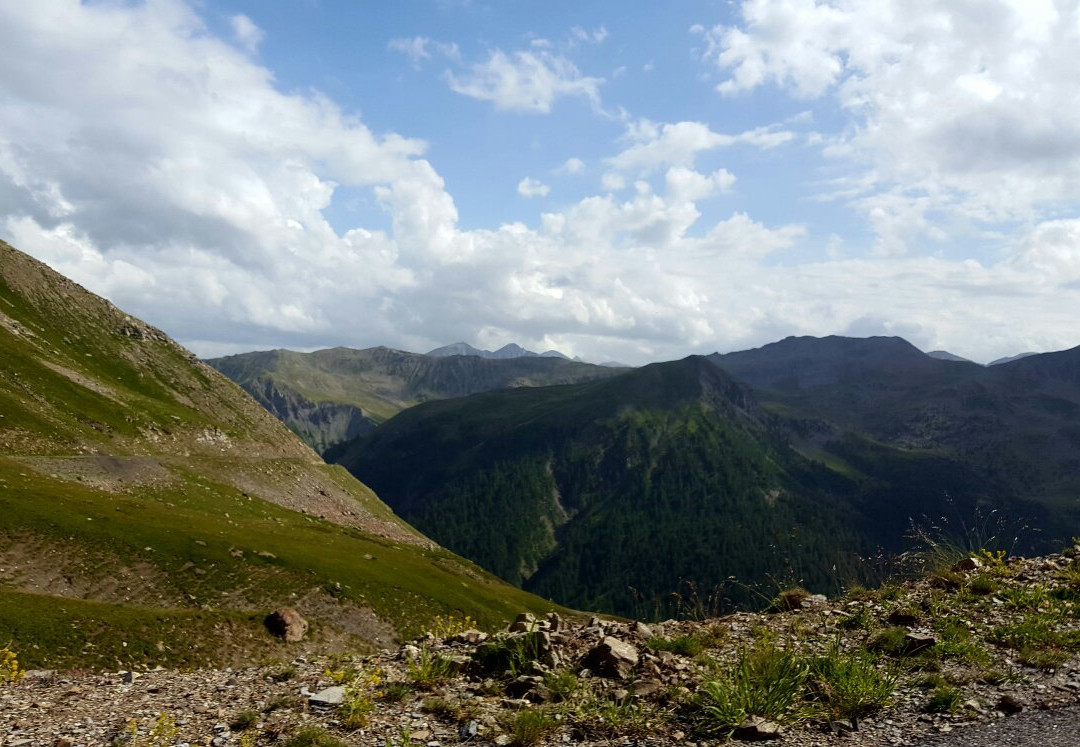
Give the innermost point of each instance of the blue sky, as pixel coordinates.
(618, 184)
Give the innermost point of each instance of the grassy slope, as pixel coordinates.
(122, 457)
(665, 474)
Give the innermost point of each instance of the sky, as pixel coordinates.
(618, 182)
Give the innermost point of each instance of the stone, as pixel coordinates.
(554, 622)
(331, 697)
(915, 642)
(612, 658)
(642, 631)
(1009, 704)
(468, 730)
(286, 623)
(523, 623)
(968, 564)
(757, 729)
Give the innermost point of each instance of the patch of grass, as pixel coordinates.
(244, 720)
(945, 699)
(313, 736)
(283, 703)
(1042, 658)
(396, 691)
(861, 619)
(946, 579)
(683, 645)
(983, 585)
(440, 708)
(284, 674)
(850, 684)
(429, 669)
(889, 642)
(766, 681)
(509, 656)
(530, 726)
(562, 684)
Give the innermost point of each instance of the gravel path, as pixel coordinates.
(1059, 727)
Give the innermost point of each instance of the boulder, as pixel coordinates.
(524, 622)
(612, 658)
(327, 699)
(287, 623)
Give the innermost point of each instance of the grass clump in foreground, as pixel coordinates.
(766, 681)
(851, 685)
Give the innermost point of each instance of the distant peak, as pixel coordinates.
(510, 350)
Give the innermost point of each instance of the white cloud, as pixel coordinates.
(247, 33)
(596, 36)
(963, 111)
(161, 166)
(529, 187)
(525, 81)
(655, 146)
(571, 166)
(421, 48)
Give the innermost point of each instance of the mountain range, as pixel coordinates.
(153, 513)
(333, 395)
(511, 350)
(784, 462)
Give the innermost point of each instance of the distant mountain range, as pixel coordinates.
(333, 395)
(512, 350)
(782, 462)
(152, 513)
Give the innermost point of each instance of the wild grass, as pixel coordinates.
(528, 727)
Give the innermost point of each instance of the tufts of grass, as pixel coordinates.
(530, 726)
(766, 681)
(983, 585)
(562, 684)
(851, 685)
(789, 599)
(1043, 658)
(944, 699)
(429, 669)
(889, 642)
(861, 619)
(510, 656)
(396, 691)
(244, 720)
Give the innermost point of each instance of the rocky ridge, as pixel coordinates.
(973, 643)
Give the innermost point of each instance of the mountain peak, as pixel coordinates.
(510, 350)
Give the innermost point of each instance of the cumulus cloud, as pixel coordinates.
(162, 166)
(960, 109)
(529, 187)
(652, 146)
(525, 81)
(571, 166)
(246, 32)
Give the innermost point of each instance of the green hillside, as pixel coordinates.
(138, 484)
(334, 395)
(610, 495)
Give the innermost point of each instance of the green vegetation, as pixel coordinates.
(530, 726)
(851, 684)
(945, 699)
(313, 736)
(170, 505)
(244, 720)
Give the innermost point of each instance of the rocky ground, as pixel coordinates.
(983, 641)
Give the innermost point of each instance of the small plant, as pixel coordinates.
(313, 736)
(283, 702)
(529, 726)
(358, 700)
(944, 699)
(396, 691)
(766, 681)
(561, 683)
(890, 642)
(284, 674)
(861, 619)
(9, 666)
(851, 685)
(162, 733)
(510, 656)
(683, 645)
(1043, 658)
(440, 708)
(450, 626)
(983, 585)
(429, 669)
(244, 720)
